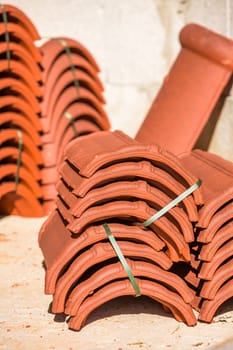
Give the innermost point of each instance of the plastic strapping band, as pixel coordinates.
(72, 67)
(72, 122)
(122, 259)
(172, 204)
(7, 36)
(20, 148)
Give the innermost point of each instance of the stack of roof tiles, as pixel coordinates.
(49, 95)
(107, 180)
(20, 78)
(110, 178)
(110, 184)
(72, 105)
(212, 255)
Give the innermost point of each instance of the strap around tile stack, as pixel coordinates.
(121, 204)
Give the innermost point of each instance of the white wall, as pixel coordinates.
(134, 42)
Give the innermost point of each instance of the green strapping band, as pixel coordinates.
(20, 149)
(72, 67)
(122, 259)
(72, 122)
(7, 36)
(172, 204)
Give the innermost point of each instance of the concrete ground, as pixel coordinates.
(123, 324)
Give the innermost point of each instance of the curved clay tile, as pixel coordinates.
(208, 211)
(78, 110)
(16, 85)
(67, 74)
(21, 54)
(83, 126)
(62, 64)
(81, 50)
(175, 121)
(49, 191)
(49, 153)
(48, 206)
(15, 103)
(221, 193)
(208, 251)
(209, 307)
(68, 97)
(116, 271)
(65, 132)
(98, 253)
(9, 154)
(17, 120)
(139, 190)
(7, 135)
(10, 170)
(53, 152)
(208, 269)
(117, 146)
(15, 14)
(67, 79)
(217, 182)
(62, 254)
(48, 183)
(207, 43)
(218, 220)
(21, 202)
(63, 209)
(196, 303)
(19, 71)
(18, 33)
(81, 109)
(53, 48)
(191, 278)
(179, 309)
(129, 171)
(223, 273)
(139, 212)
(49, 175)
(12, 204)
(65, 193)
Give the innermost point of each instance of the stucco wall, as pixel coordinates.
(134, 42)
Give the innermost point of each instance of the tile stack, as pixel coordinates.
(49, 95)
(212, 262)
(72, 105)
(20, 78)
(108, 178)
